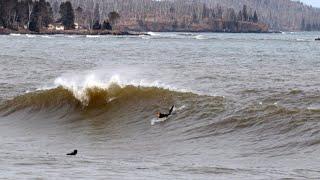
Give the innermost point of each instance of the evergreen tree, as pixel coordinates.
(250, 18)
(96, 25)
(245, 13)
(8, 12)
(106, 25)
(239, 17)
(67, 15)
(46, 13)
(41, 15)
(35, 24)
(255, 17)
(220, 12)
(303, 24)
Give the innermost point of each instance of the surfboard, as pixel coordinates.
(157, 120)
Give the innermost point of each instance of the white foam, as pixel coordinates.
(200, 37)
(30, 35)
(157, 120)
(46, 36)
(153, 34)
(112, 99)
(13, 34)
(302, 40)
(92, 36)
(144, 37)
(180, 108)
(79, 85)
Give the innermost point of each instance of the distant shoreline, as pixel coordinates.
(116, 33)
(72, 32)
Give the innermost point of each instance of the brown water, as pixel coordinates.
(247, 106)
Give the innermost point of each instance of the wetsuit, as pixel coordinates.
(166, 115)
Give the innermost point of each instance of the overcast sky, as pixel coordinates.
(315, 3)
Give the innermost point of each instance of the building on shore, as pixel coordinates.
(76, 26)
(57, 27)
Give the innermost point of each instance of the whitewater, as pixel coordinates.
(247, 106)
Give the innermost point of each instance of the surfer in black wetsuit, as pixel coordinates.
(73, 153)
(160, 115)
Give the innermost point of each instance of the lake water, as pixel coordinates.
(247, 106)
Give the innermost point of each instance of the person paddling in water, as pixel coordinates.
(160, 115)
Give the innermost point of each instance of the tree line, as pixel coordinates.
(105, 14)
(179, 13)
(309, 26)
(279, 15)
(37, 15)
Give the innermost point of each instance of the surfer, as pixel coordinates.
(160, 115)
(73, 153)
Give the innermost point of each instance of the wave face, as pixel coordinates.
(89, 98)
(284, 113)
(145, 100)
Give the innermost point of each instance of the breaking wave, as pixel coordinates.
(94, 97)
(288, 115)
(91, 93)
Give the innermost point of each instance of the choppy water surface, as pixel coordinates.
(247, 106)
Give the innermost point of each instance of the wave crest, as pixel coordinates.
(93, 97)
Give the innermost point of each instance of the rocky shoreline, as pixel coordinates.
(131, 32)
(216, 26)
(72, 32)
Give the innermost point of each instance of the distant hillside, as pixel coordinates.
(277, 14)
(151, 15)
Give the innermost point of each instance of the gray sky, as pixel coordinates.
(315, 3)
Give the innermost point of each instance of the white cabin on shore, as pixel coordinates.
(58, 27)
(76, 26)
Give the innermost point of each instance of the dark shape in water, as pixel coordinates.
(317, 39)
(160, 115)
(73, 153)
